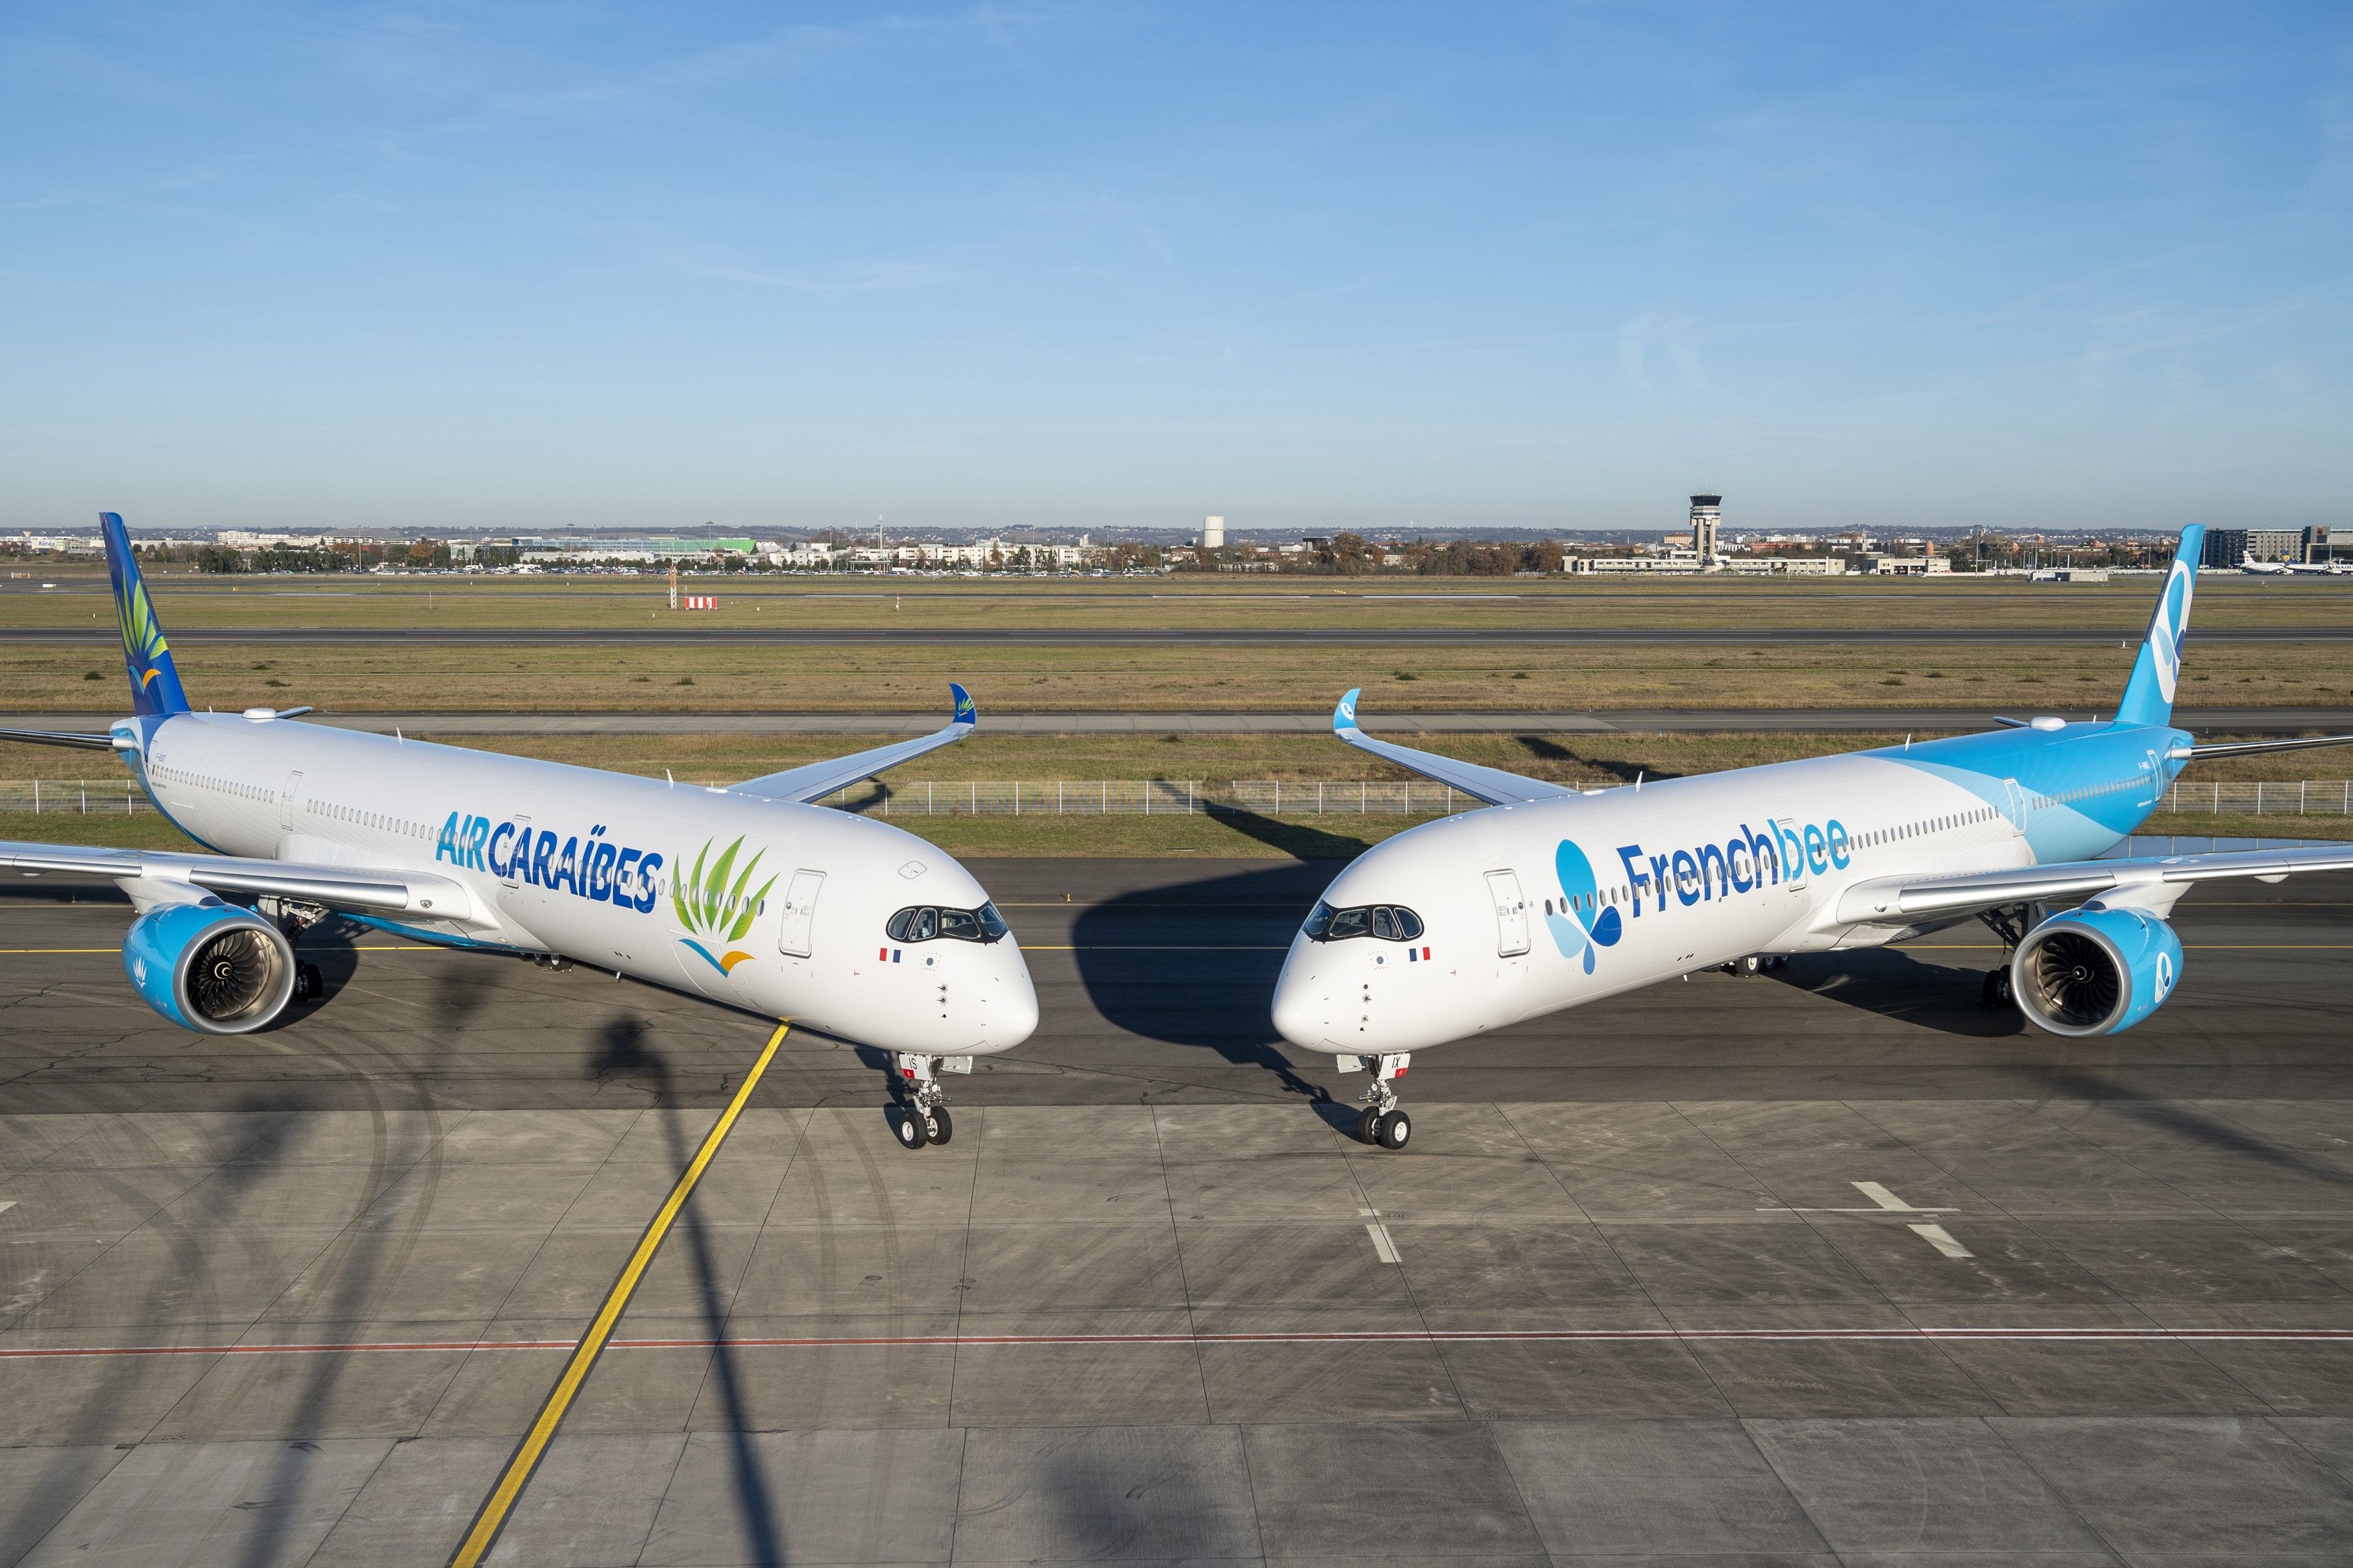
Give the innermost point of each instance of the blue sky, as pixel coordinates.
(2066, 265)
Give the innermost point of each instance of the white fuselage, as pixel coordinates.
(615, 871)
(1529, 909)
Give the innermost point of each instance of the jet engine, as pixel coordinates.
(210, 966)
(2095, 970)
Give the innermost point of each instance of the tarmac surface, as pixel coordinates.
(1695, 721)
(1828, 1266)
(1162, 637)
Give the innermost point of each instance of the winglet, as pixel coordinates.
(2149, 695)
(966, 712)
(155, 682)
(1344, 717)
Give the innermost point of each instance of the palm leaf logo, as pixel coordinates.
(143, 640)
(716, 909)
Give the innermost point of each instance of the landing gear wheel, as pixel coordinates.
(310, 985)
(1996, 992)
(1393, 1129)
(1752, 964)
(942, 1129)
(1368, 1125)
(909, 1126)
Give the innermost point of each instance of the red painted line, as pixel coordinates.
(1395, 1336)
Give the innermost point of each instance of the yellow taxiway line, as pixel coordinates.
(493, 1515)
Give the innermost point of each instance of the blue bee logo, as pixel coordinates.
(1582, 921)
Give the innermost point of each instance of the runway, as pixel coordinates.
(1503, 722)
(1206, 637)
(1655, 1281)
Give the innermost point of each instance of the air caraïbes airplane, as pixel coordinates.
(1552, 897)
(746, 895)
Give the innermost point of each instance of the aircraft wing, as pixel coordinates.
(819, 780)
(1492, 785)
(371, 890)
(1888, 898)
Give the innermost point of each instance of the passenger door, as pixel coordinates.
(793, 933)
(286, 805)
(1794, 870)
(1511, 914)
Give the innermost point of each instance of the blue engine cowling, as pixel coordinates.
(2095, 972)
(210, 966)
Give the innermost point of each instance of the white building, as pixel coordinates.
(1785, 565)
(1905, 566)
(1664, 560)
(1213, 533)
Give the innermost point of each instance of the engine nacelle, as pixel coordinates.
(210, 966)
(2096, 972)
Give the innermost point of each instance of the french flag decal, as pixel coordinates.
(1417, 954)
(886, 955)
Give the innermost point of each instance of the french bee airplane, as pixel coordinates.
(1553, 898)
(748, 895)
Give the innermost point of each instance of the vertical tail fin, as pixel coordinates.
(2148, 696)
(155, 683)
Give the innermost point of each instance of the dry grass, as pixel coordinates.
(591, 678)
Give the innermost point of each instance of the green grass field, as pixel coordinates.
(187, 600)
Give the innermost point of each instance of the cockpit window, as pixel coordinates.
(925, 923)
(1389, 922)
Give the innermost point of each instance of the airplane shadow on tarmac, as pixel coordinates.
(1892, 983)
(1194, 963)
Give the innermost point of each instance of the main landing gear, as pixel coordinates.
(1383, 1122)
(922, 1117)
(293, 918)
(2011, 922)
(1755, 963)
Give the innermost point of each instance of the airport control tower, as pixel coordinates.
(1707, 515)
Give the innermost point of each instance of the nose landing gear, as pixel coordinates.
(923, 1116)
(1383, 1123)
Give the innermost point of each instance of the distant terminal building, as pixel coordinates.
(2229, 546)
(1213, 533)
(1707, 516)
(552, 549)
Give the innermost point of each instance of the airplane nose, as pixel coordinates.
(1299, 1004)
(1016, 1008)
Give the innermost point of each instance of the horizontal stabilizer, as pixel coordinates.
(61, 738)
(1492, 785)
(2249, 748)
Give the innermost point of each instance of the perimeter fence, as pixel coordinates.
(1190, 797)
